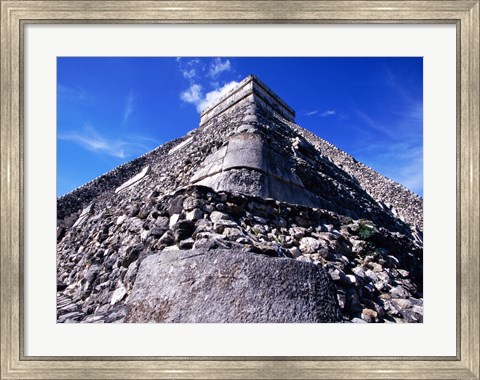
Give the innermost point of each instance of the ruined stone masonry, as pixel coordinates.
(247, 218)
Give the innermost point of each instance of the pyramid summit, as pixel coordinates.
(247, 218)
(251, 90)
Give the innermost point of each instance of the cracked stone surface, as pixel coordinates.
(230, 286)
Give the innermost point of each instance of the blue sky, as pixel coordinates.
(111, 110)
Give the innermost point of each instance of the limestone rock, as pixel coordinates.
(230, 286)
(118, 295)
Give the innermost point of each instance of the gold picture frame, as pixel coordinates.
(464, 14)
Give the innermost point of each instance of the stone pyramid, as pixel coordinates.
(247, 218)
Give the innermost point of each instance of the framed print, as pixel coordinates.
(60, 58)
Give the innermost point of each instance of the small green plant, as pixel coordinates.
(279, 239)
(364, 231)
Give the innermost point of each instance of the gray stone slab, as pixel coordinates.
(215, 167)
(211, 181)
(245, 140)
(216, 156)
(248, 165)
(180, 146)
(200, 174)
(242, 180)
(286, 192)
(228, 286)
(85, 214)
(134, 180)
(280, 167)
(210, 166)
(244, 158)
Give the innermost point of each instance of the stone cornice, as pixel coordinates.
(251, 88)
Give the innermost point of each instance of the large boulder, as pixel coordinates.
(230, 286)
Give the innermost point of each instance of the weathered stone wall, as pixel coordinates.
(340, 182)
(357, 226)
(81, 196)
(332, 187)
(391, 195)
(251, 88)
(377, 273)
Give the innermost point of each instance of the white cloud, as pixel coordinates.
(194, 69)
(322, 114)
(328, 113)
(71, 93)
(212, 96)
(218, 66)
(93, 141)
(202, 77)
(189, 74)
(195, 95)
(192, 95)
(379, 127)
(128, 109)
(190, 68)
